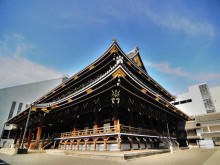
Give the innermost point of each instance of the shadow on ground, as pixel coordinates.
(3, 162)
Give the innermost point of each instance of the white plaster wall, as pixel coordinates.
(23, 94)
(199, 131)
(207, 143)
(125, 146)
(215, 94)
(6, 142)
(196, 107)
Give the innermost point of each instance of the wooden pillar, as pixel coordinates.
(139, 144)
(20, 138)
(74, 127)
(60, 145)
(145, 143)
(29, 138)
(131, 117)
(85, 145)
(94, 143)
(86, 140)
(142, 121)
(96, 121)
(39, 131)
(116, 117)
(119, 142)
(65, 146)
(16, 137)
(105, 144)
(71, 145)
(131, 143)
(78, 144)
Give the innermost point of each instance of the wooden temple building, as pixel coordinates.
(112, 104)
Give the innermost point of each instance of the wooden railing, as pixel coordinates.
(110, 130)
(88, 132)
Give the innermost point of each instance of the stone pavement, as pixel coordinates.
(182, 157)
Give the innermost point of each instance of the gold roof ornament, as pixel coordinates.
(91, 67)
(69, 100)
(114, 49)
(119, 73)
(89, 90)
(144, 90)
(33, 109)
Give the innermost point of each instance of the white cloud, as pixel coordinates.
(173, 17)
(165, 68)
(16, 70)
(211, 78)
(205, 77)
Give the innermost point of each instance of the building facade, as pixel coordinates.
(14, 100)
(112, 104)
(199, 100)
(204, 131)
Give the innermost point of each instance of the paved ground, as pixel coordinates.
(183, 157)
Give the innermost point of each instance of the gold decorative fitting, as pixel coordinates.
(91, 67)
(38, 101)
(76, 77)
(119, 73)
(167, 93)
(44, 109)
(45, 97)
(139, 72)
(162, 90)
(53, 91)
(63, 85)
(148, 79)
(69, 100)
(144, 90)
(167, 105)
(138, 60)
(33, 109)
(157, 99)
(114, 50)
(175, 110)
(129, 63)
(89, 90)
(25, 113)
(54, 106)
(156, 85)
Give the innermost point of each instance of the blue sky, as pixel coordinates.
(179, 41)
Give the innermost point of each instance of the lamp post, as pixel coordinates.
(171, 145)
(26, 126)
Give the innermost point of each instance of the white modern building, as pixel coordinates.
(14, 100)
(204, 131)
(199, 100)
(215, 93)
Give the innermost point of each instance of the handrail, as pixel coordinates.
(111, 129)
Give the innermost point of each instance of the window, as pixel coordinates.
(183, 102)
(190, 100)
(12, 110)
(19, 108)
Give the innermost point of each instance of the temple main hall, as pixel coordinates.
(113, 104)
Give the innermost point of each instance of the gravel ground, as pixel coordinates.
(183, 157)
